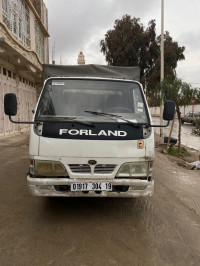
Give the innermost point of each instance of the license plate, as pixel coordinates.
(90, 186)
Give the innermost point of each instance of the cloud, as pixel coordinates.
(81, 24)
(191, 40)
(190, 74)
(77, 25)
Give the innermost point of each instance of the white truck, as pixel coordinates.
(91, 133)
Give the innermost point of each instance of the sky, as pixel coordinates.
(82, 24)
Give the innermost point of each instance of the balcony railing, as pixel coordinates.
(16, 18)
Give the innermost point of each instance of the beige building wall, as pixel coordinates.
(21, 58)
(1, 9)
(32, 29)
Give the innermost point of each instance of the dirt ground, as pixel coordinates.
(194, 155)
(161, 230)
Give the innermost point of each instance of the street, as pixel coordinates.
(162, 230)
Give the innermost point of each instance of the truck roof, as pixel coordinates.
(101, 71)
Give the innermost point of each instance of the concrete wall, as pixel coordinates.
(155, 111)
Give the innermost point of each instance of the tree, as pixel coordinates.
(172, 54)
(181, 93)
(130, 44)
(197, 98)
(196, 130)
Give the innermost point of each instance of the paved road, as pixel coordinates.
(186, 137)
(162, 230)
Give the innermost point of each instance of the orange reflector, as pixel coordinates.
(151, 165)
(140, 144)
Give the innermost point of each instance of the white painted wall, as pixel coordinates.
(155, 111)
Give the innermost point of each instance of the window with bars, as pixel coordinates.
(16, 18)
(39, 41)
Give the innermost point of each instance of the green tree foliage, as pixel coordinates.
(181, 93)
(196, 130)
(197, 98)
(172, 54)
(131, 44)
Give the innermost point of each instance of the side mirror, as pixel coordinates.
(169, 110)
(10, 108)
(10, 104)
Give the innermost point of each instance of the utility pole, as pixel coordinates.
(53, 53)
(162, 71)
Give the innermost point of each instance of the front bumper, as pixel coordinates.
(46, 187)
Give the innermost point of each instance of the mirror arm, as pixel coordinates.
(160, 125)
(29, 123)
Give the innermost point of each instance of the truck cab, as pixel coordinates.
(91, 136)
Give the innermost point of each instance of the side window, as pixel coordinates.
(46, 103)
(138, 102)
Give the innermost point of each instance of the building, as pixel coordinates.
(23, 50)
(81, 58)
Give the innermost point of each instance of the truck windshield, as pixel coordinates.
(73, 98)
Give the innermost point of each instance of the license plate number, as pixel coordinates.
(90, 186)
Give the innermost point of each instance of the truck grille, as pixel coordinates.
(80, 168)
(104, 168)
(98, 169)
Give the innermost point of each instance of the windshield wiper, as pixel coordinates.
(62, 119)
(114, 116)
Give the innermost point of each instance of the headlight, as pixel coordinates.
(138, 169)
(47, 168)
